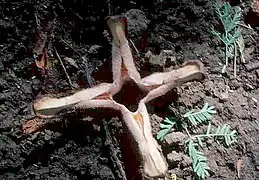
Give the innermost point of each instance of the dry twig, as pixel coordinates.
(245, 26)
(252, 66)
(239, 165)
(109, 142)
(69, 80)
(134, 46)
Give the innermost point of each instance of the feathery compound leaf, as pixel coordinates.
(237, 16)
(225, 135)
(230, 18)
(201, 116)
(199, 161)
(165, 128)
(232, 24)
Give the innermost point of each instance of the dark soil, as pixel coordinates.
(74, 147)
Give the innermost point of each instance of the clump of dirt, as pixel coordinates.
(76, 147)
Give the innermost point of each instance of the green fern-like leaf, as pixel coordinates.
(223, 10)
(166, 127)
(230, 18)
(201, 116)
(232, 23)
(225, 135)
(199, 161)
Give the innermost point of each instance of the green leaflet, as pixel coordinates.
(223, 134)
(166, 128)
(199, 161)
(204, 115)
(229, 18)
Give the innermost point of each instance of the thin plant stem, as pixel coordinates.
(226, 59)
(208, 135)
(185, 128)
(235, 60)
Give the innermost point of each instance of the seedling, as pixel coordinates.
(193, 118)
(231, 37)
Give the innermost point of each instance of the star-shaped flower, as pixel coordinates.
(101, 96)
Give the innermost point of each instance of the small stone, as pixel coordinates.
(170, 52)
(87, 119)
(172, 58)
(248, 53)
(186, 161)
(47, 137)
(148, 54)
(216, 69)
(224, 96)
(189, 178)
(94, 49)
(34, 136)
(209, 142)
(174, 158)
(235, 84)
(96, 127)
(155, 123)
(48, 132)
(71, 62)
